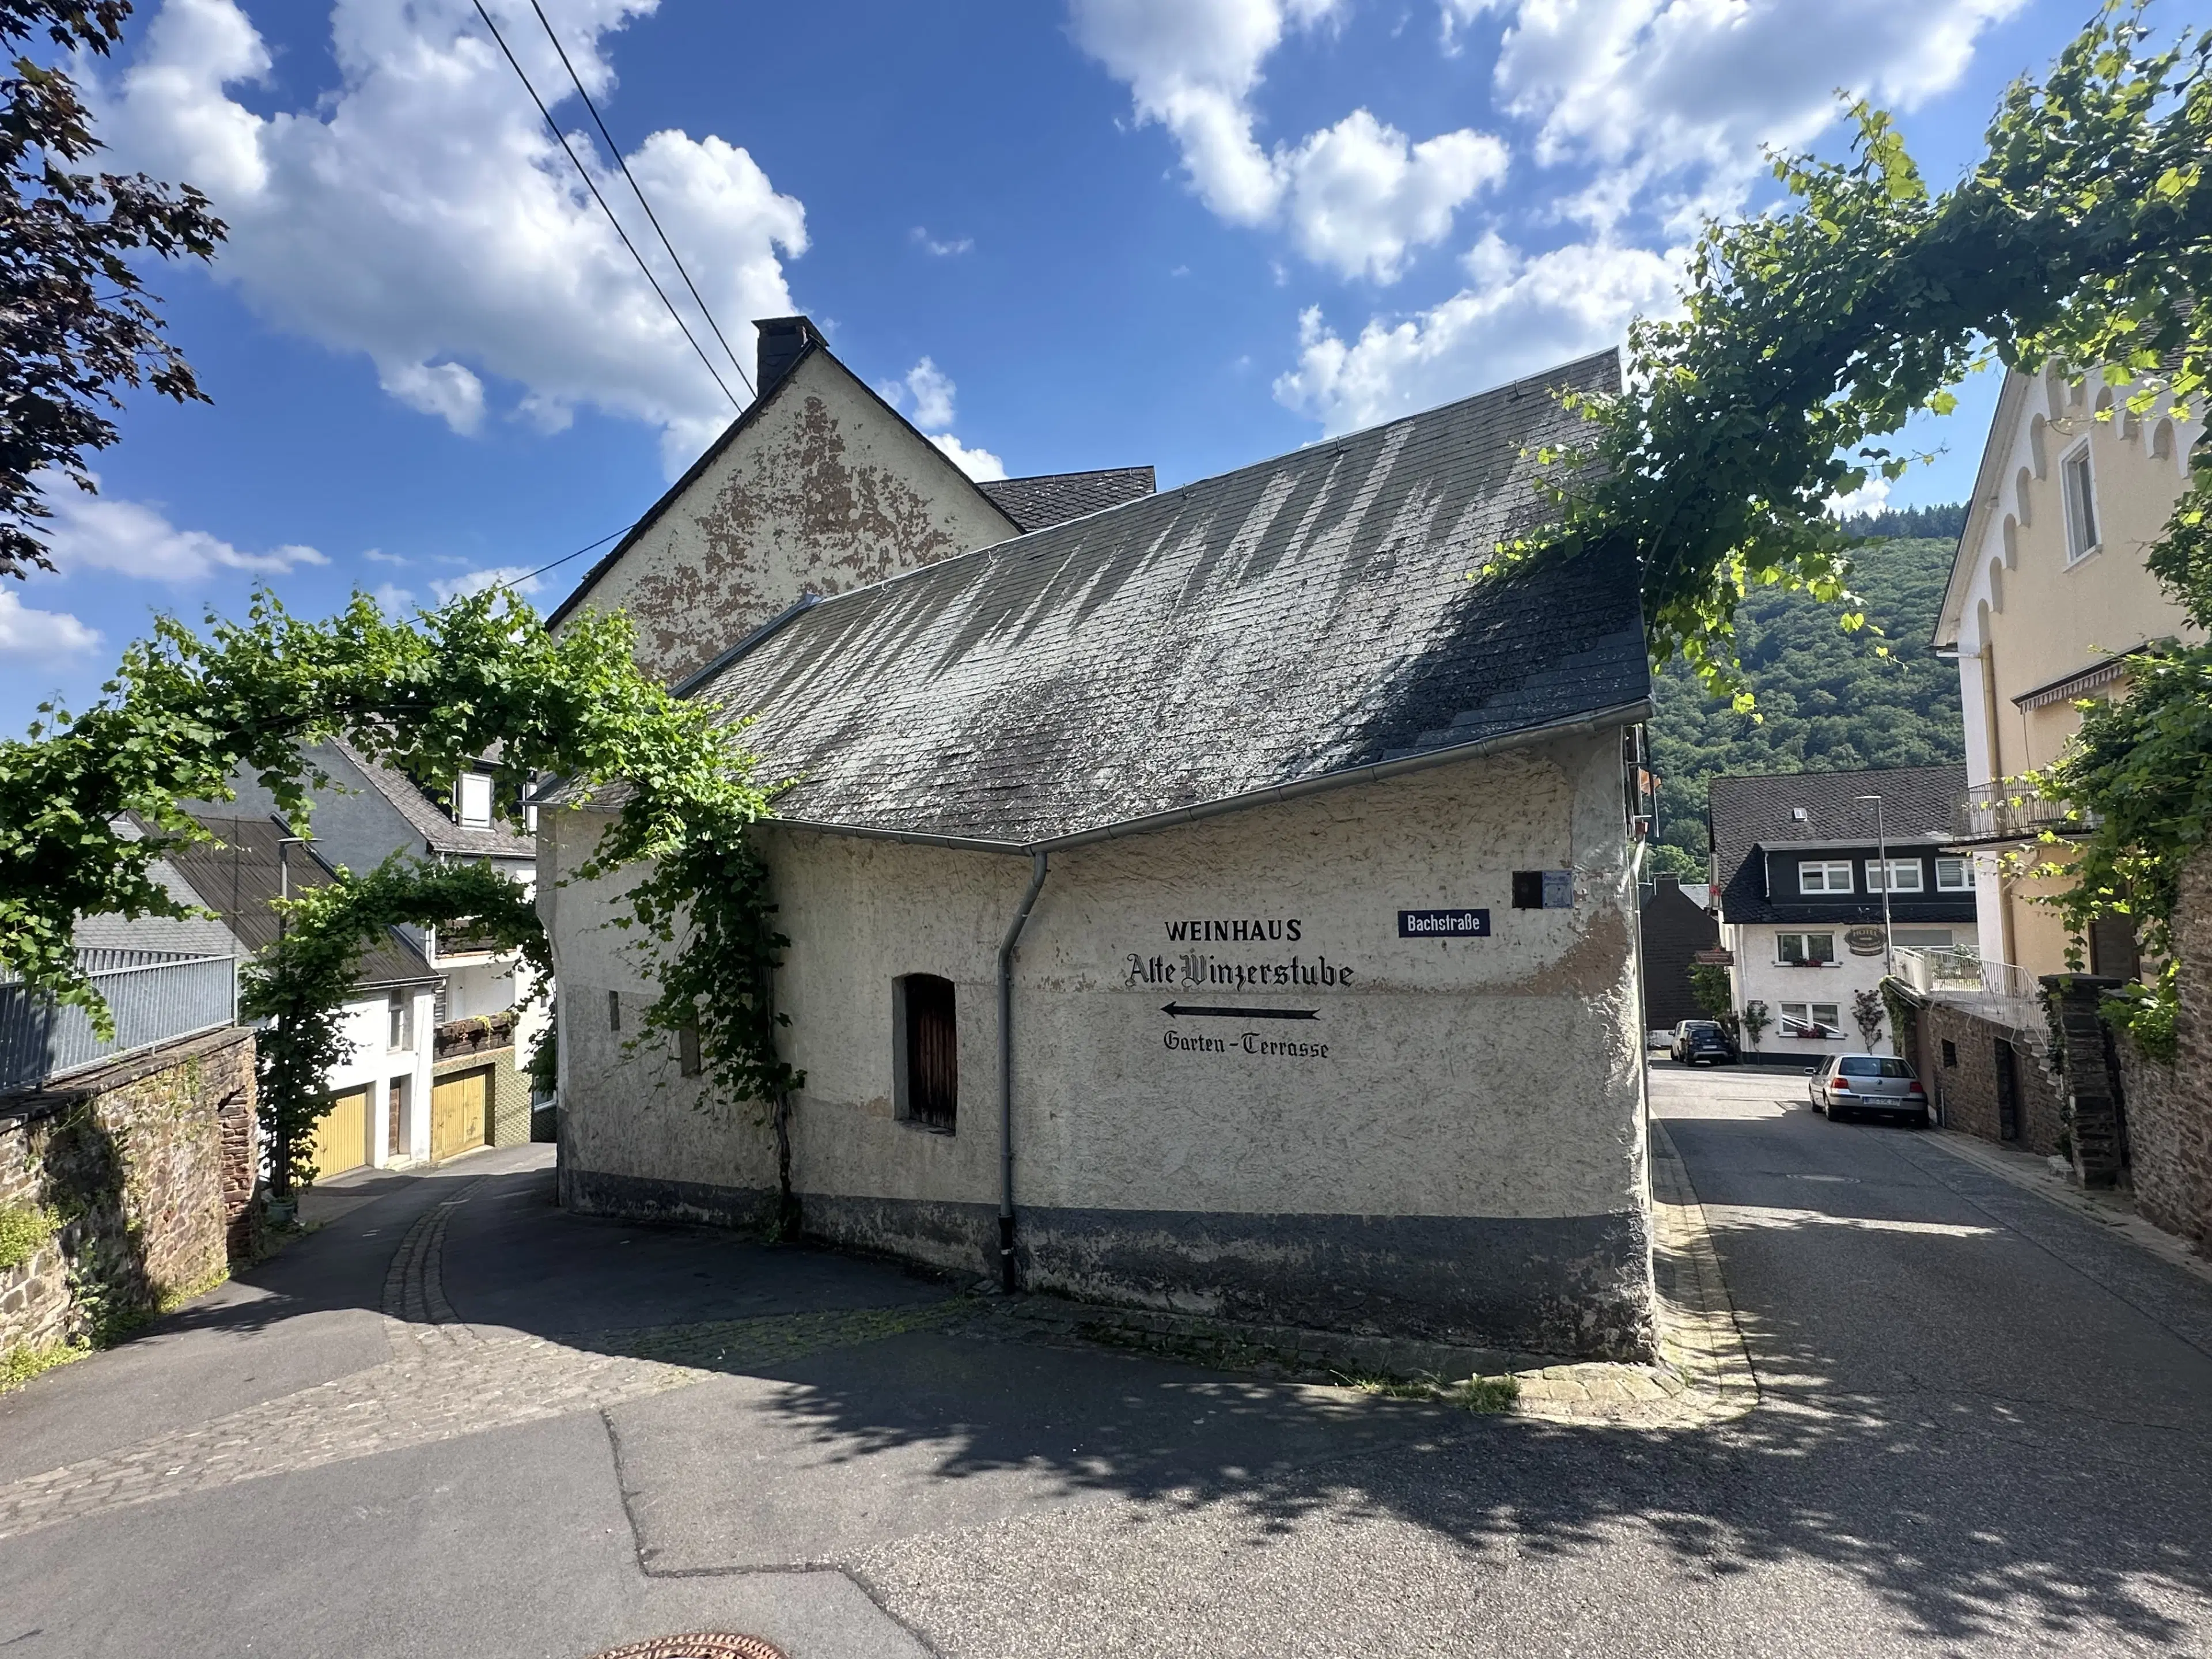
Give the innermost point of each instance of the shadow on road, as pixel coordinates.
(2002, 1504)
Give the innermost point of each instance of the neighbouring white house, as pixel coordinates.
(486, 1012)
(2048, 593)
(818, 487)
(382, 1088)
(1217, 902)
(1801, 861)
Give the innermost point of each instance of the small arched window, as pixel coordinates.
(925, 1041)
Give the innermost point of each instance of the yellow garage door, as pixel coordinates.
(342, 1136)
(460, 1106)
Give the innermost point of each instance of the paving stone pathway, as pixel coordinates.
(444, 1379)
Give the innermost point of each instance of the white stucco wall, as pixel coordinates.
(825, 490)
(1476, 1123)
(1759, 977)
(367, 1025)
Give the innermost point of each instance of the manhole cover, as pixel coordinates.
(707, 1644)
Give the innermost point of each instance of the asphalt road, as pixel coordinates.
(1982, 1430)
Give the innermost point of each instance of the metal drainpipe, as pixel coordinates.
(1006, 1075)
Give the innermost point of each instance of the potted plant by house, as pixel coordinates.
(1756, 1016)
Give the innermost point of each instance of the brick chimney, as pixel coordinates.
(781, 340)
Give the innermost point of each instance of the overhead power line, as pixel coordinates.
(592, 186)
(578, 554)
(615, 150)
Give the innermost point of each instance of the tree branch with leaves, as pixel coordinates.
(90, 803)
(76, 323)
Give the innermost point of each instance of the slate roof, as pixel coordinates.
(1051, 498)
(238, 873)
(1747, 815)
(1275, 625)
(439, 832)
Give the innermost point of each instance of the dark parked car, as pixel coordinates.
(1698, 1042)
(1868, 1083)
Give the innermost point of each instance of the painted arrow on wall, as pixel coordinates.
(1189, 1011)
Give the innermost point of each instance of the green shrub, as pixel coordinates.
(24, 1230)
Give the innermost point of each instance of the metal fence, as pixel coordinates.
(1998, 812)
(156, 997)
(1996, 991)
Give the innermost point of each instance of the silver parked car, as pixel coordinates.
(1868, 1083)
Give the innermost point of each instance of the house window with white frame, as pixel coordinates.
(473, 800)
(1904, 876)
(1824, 875)
(1821, 1021)
(2080, 486)
(1954, 875)
(1804, 950)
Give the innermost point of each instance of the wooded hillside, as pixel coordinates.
(1830, 703)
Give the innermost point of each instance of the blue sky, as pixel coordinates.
(1081, 233)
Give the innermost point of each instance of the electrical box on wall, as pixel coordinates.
(1543, 889)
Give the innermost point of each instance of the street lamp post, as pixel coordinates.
(1881, 852)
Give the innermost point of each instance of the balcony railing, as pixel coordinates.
(156, 997)
(462, 938)
(481, 1034)
(1996, 991)
(2004, 812)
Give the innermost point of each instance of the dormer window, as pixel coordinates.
(472, 801)
(1824, 876)
(1904, 876)
(2081, 505)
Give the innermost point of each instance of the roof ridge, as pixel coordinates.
(1508, 387)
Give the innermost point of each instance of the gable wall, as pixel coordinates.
(826, 490)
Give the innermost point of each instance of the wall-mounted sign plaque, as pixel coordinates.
(1443, 924)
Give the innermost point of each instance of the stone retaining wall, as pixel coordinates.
(148, 1165)
(2169, 1108)
(1965, 1085)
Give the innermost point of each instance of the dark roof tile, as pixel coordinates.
(1303, 617)
(1051, 498)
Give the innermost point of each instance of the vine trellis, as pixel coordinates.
(90, 801)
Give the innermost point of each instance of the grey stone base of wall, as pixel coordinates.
(641, 1198)
(1577, 1287)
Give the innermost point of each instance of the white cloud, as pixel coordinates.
(28, 636)
(947, 248)
(1522, 315)
(978, 464)
(1357, 196)
(928, 391)
(1361, 197)
(377, 556)
(515, 576)
(420, 214)
(1676, 83)
(394, 601)
(932, 390)
(1871, 496)
(104, 534)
